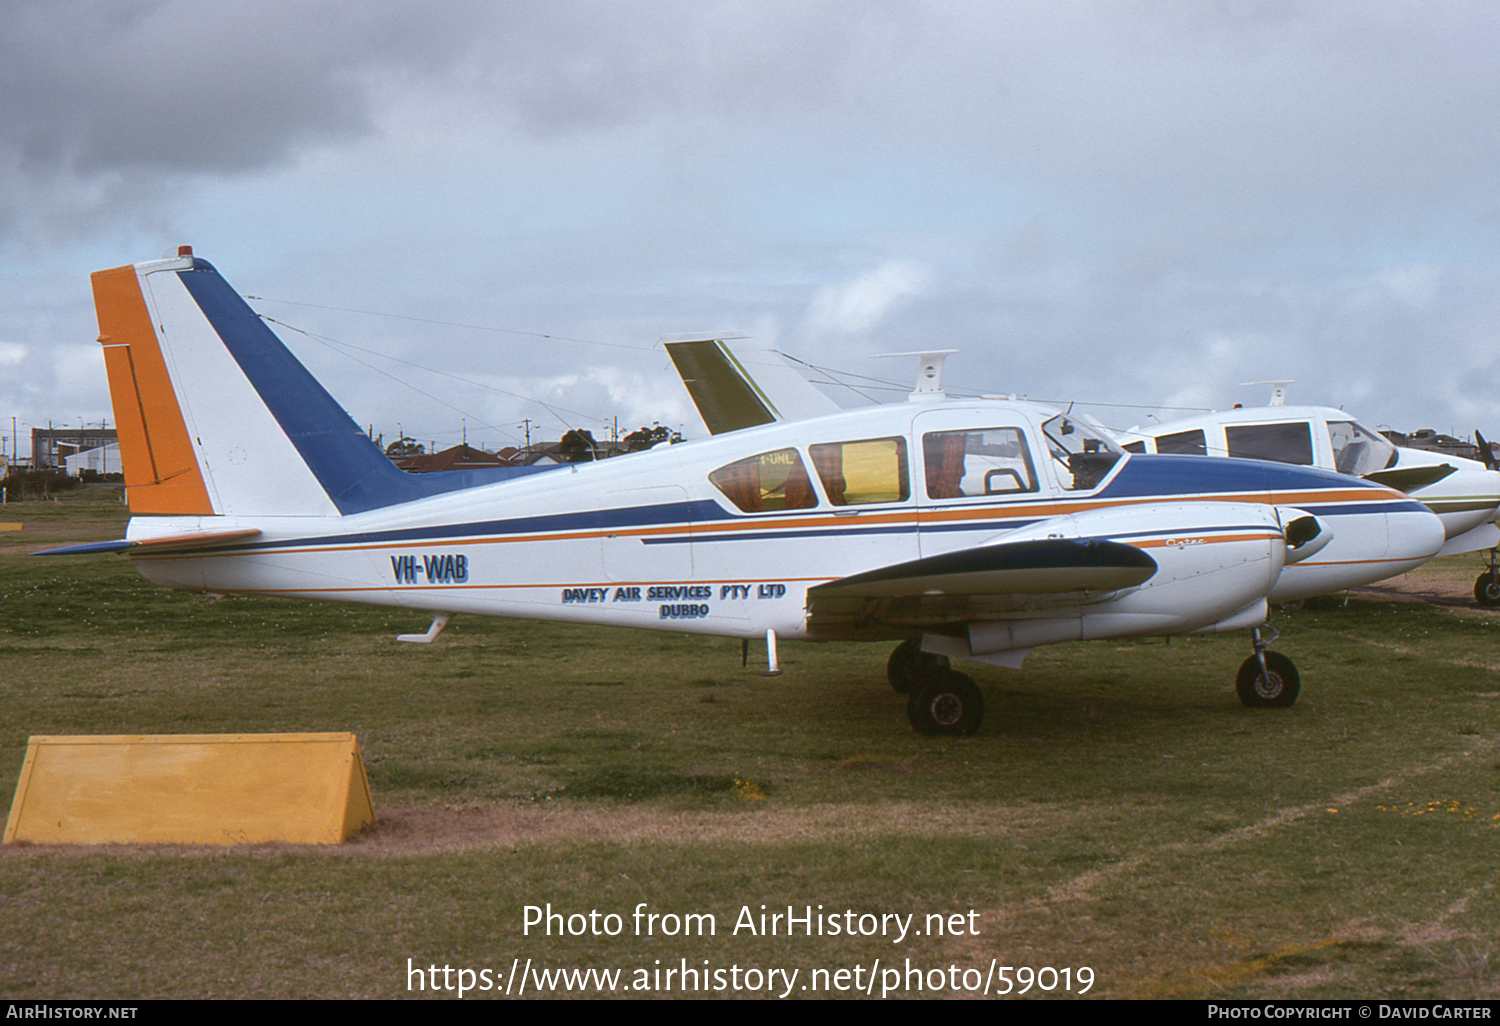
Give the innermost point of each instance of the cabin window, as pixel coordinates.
(771, 481)
(994, 461)
(1283, 443)
(1080, 454)
(862, 472)
(1186, 443)
(1357, 450)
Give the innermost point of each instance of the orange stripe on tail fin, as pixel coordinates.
(161, 470)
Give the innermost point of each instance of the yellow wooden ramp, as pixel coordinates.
(191, 789)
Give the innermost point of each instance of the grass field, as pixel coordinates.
(1119, 812)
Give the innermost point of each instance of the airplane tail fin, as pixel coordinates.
(729, 397)
(217, 417)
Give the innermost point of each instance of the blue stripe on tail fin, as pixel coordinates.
(349, 466)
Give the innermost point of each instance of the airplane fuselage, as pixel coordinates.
(651, 540)
(974, 529)
(1465, 495)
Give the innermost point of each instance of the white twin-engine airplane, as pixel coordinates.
(1464, 493)
(974, 529)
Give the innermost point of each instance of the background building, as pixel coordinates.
(50, 447)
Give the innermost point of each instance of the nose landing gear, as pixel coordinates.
(1487, 587)
(942, 701)
(1267, 680)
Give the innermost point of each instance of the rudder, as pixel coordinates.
(161, 468)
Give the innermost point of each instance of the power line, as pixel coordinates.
(332, 342)
(455, 324)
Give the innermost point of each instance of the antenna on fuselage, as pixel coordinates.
(929, 373)
(1278, 390)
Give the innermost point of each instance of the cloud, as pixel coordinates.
(859, 305)
(180, 86)
(106, 103)
(1081, 196)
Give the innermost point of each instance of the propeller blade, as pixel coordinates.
(1485, 452)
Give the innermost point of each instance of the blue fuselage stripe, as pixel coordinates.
(716, 523)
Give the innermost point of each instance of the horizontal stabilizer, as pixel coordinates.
(171, 543)
(197, 541)
(88, 548)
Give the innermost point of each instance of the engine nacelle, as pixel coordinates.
(1216, 562)
(1305, 534)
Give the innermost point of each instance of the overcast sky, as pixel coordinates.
(454, 208)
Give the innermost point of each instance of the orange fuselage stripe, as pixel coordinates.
(918, 516)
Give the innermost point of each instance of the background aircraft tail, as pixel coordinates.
(217, 417)
(729, 397)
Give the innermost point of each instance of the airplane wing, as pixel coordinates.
(976, 584)
(729, 397)
(171, 543)
(1404, 479)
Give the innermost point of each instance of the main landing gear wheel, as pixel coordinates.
(945, 703)
(1274, 686)
(909, 666)
(1487, 590)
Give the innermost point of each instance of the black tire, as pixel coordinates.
(948, 703)
(1487, 590)
(910, 666)
(1275, 688)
